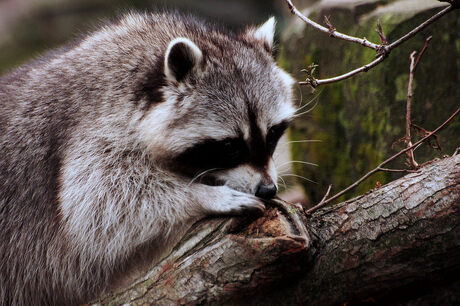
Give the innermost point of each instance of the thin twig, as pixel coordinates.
(422, 132)
(379, 31)
(421, 27)
(427, 42)
(410, 91)
(334, 33)
(407, 140)
(456, 151)
(383, 50)
(332, 29)
(398, 170)
(454, 3)
(323, 199)
(315, 83)
(379, 167)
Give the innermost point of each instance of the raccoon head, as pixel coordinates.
(226, 105)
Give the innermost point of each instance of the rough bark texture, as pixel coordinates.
(400, 242)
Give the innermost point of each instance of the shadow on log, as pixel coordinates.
(392, 244)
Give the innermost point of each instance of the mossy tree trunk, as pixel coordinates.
(382, 247)
(358, 120)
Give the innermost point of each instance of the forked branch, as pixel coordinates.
(315, 82)
(382, 50)
(410, 91)
(331, 30)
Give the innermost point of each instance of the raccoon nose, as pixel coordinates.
(266, 191)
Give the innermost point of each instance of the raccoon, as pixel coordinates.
(112, 147)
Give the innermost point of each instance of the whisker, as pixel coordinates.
(201, 174)
(286, 185)
(299, 176)
(283, 181)
(309, 102)
(298, 162)
(301, 95)
(305, 105)
(306, 140)
(417, 147)
(307, 111)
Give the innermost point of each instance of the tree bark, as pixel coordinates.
(400, 242)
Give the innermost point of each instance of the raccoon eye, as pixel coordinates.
(274, 134)
(209, 154)
(232, 152)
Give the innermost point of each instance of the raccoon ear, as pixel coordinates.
(264, 33)
(181, 56)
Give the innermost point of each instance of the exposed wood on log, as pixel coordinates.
(392, 239)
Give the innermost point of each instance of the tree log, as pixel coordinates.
(395, 243)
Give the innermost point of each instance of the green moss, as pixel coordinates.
(358, 119)
(401, 82)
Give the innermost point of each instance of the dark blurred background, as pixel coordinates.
(28, 27)
(356, 120)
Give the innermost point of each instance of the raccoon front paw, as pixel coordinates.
(233, 202)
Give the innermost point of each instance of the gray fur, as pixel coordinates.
(92, 138)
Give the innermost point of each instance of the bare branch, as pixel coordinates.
(398, 170)
(421, 27)
(334, 33)
(332, 29)
(379, 31)
(427, 41)
(423, 132)
(408, 142)
(383, 50)
(455, 3)
(413, 65)
(456, 151)
(309, 211)
(379, 167)
(315, 82)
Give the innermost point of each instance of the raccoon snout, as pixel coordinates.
(266, 191)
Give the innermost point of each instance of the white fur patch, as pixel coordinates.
(156, 125)
(245, 179)
(265, 32)
(192, 50)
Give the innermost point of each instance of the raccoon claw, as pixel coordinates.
(234, 202)
(248, 204)
(255, 207)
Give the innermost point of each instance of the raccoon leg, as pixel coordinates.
(222, 200)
